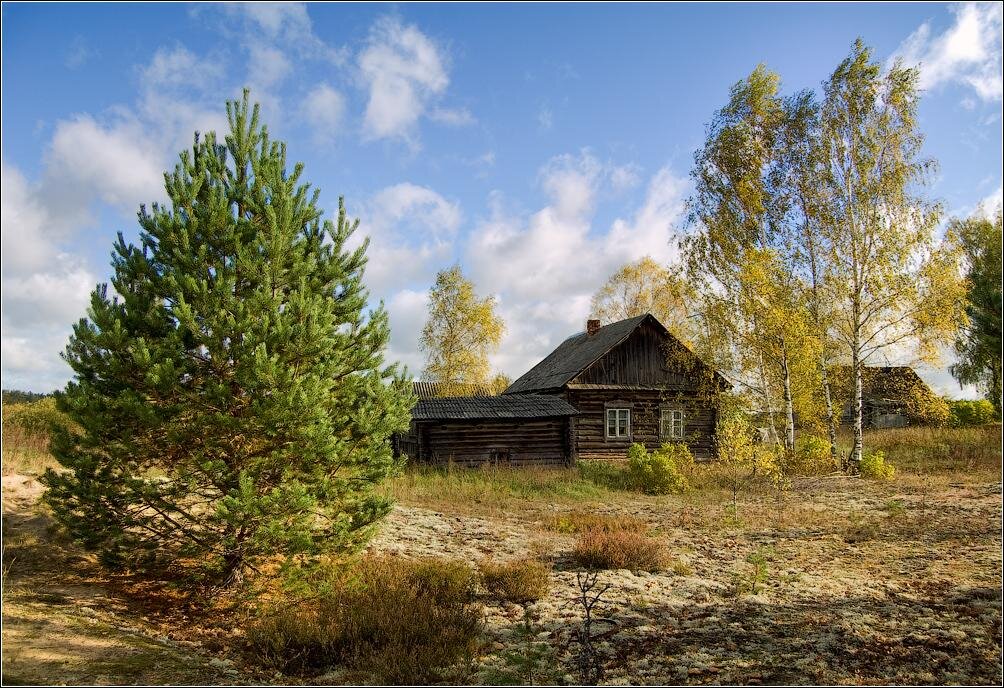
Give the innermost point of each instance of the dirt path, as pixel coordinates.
(61, 624)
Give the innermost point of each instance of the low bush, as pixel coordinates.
(580, 521)
(925, 450)
(406, 622)
(968, 413)
(874, 466)
(620, 549)
(811, 456)
(661, 471)
(521, 581)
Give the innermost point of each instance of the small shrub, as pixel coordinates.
(661, 471)
(621, 549)
(968, 413)
(682, 568)
(405, 621)
(579, 521)
(26, 431)
(758, 571)
(895, 509)
(812, 456)
(522, 581)
(874, 467)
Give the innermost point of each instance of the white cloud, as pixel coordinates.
(404, 71)
(407, 310)
(651, 226)
(625, 177)
(412, 229)
(989, 206)
(118, 164)
(78, 53)
(324, 109)
(44, 289)
(267, 66)
(969, 52)
(545, 118)
(285, 24)
(545, 267)
(177, 67)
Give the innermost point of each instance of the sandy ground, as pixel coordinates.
(865, 583)
(63, 623)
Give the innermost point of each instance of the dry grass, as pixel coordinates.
(929, 451)
(581, 521)
(521, 581)
(490, 490)
(619, 549)
(405, 622)
(26, 430)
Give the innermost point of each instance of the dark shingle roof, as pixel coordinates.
(432, 390)
(482, 408)
(574, 355)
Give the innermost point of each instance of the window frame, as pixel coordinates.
(617, 410)
(671, 414)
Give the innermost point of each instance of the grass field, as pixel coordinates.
(836, 580)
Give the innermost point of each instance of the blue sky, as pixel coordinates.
(541, 146)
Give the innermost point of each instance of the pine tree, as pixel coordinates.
(978, 343)
(233, 396)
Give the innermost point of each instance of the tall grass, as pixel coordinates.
(26, 429)
(927, 450)
(490, 487)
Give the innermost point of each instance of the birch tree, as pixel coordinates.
(894, 289)
(741, 257)
(645, 286)
(461, 332)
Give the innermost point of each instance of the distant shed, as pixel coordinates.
(511, 429)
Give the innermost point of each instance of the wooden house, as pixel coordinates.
(593, 396)
(891, 396)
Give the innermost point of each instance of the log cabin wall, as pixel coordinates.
(589, 427)
(475, 442)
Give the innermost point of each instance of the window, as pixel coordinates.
(618, 423)
(671, 424)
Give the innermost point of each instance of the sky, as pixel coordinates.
(539, 146)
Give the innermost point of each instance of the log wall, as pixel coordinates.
(589, 429)
(514, 442)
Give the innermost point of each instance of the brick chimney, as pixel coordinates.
(592, 327)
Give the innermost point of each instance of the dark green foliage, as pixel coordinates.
(969, 413)
(17, 396)
(978, 345)
(233, 396)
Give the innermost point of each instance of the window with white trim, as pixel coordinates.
(618, 423)
(671, 424)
